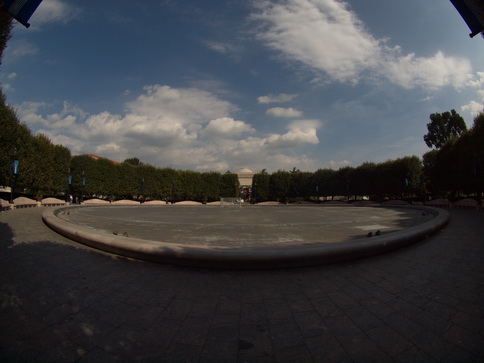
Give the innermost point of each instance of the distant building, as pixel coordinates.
(245, 177)
(245, 180)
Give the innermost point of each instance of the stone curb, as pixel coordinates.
(246, 258)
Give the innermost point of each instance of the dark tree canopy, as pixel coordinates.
(444, 127)
(133, 161)
(6, 26)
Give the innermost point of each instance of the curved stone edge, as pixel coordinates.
(246, 258)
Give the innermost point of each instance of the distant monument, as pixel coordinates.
(245, 177)
(245, 180)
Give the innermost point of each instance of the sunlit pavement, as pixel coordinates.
(60, 301)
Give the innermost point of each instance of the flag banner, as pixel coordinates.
(21, 10)
(15, 167)
(472, 11)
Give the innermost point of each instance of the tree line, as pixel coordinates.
(132, 179)
(41, 165)
(392, 179)
(455, 166)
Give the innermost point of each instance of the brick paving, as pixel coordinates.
(60, 301)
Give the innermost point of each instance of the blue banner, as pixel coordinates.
(21, 10)
(15, 167)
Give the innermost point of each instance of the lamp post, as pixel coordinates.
(254, 192)
(83, 175)
(69, 182)
(15, 166)
(173, 192)
(142, 188)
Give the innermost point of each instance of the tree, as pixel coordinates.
(260, 187)
(279, 184)
(229, 185)
(325, 182)
(210, 187)
(62, 161)
(133, 161)
(6, 26)
(444, 127)
(84, 175)
(431, 173)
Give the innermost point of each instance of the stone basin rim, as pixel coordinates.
(246, 257)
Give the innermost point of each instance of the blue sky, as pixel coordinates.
(223, 85)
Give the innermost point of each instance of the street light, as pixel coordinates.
(173, 192)
(254, 192)
(142, 189)
(69, 182)
(83, 184)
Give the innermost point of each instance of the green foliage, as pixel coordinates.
(365, 179)
(300, 185)
(325, 180)
(229, 185)
(458, 166)
(133, 161)
(443, 127)
(279, 184)
(61, 156)
(6, 26)
(260, 187)
(210, 186)
(83, 168)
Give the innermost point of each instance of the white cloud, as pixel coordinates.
(19, 48)
(327, 37)
(227, 127)
(336, 164)
(284, 112)
(475, 107)
(224, 48)
(12, 75)
(279, 98)
(322, 34)
(181, 127)
(30, 112)
(50, 11)
(183, 105)
(476, 82)
(300, 133)
(432, 73)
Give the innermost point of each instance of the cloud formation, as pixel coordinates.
(300, 132)
(279, 98)
(328, 38)
(284, 112)
(50, 11)
(164, 125)
(475, 107)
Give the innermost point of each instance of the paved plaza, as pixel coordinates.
(61, 301)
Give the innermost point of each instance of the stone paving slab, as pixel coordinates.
(60, 301)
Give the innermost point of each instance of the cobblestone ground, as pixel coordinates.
(63, 302)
